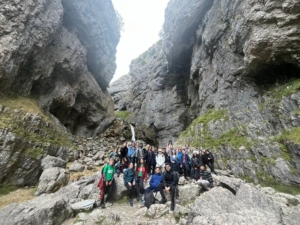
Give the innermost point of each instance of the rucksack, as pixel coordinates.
(149, 199)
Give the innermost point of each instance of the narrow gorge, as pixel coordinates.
(225, 76)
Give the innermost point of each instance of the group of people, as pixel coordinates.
(166, 165)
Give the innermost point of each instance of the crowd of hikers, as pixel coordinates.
(162, 166)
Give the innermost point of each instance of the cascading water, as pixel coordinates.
(132, 133)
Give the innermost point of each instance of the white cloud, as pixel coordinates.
(143, 19)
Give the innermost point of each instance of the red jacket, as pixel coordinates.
(144, 172)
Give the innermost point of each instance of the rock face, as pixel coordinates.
(226, 77)
(63, 53)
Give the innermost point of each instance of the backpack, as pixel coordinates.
(149, 199)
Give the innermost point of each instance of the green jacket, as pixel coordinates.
(206, 175)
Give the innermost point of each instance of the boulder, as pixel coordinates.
(180, 211)
(188, 193)
(45, 209)
(85, 205)
(86, 191)
(76, 167)
(51, 180)
(249, 205)
(51, 161)
(157, 210)
(111, 219)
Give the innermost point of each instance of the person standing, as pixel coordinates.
(210, 161)
(140, 153)
(205, 180)
(185, 164)
(169, 183)
(160, 160)
(149, 160)
(108, 173)
(129, 182)
(141, 175)
(179, 157)
(123, 151)
(174, 161)
(131, 153)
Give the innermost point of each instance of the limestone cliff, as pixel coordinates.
(61, 52)
(227, 74)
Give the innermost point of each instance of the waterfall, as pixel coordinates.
(132, 133)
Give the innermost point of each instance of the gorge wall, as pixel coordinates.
(225, 76)
(57, 58)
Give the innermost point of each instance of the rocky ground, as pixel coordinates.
(231, 201)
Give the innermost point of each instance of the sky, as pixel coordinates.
(143, 19)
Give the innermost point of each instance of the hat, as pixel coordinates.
(167, 164)
(159, 150)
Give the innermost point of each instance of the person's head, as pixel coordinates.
(179, 150)
(164, 149)
(168, 166)
(149, 148)
(207, 151)
(184, 152)
(195, 154)
(142, 161)
(131, 165)
(117, 159)
(173, 152)
(141, 145)
(116, 149)
(170, 142)
(160, 151)
(156, 149)
(189, 150)
(124, 144)
(111, 161)
(157, 170)
(202, 167)
(132, 144)
(187, 145)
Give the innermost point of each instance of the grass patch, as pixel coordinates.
(45, 132)
(292, 135)
(125, 115)
(286, 89)
(269, 181)
(34, 152)
(5, 189)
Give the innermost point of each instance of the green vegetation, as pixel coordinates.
(125, 115)
(211, 115)
(4, 189)
(34, 152)
(47, 131)
(292, 135)
(269, 181)
(285, 90)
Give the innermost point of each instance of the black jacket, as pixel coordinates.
(170, 178)
(124, 151)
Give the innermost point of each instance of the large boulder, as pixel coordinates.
(85, 205)
(249, 205)
(76, 167)
(45, 209)
(51, 180)
(51, 161)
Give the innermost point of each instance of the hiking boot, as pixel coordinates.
(172, 206)
(102, 205)
(163, 201)
(131, 202)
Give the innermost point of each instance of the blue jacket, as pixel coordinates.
(179, 156)
(155, 180)
(131, 152)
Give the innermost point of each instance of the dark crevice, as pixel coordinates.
(228, 188)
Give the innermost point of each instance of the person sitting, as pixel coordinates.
(205, 179)
(114, 154)
(169, 182)
(154, 181)
(124, 165)
(129, 182)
